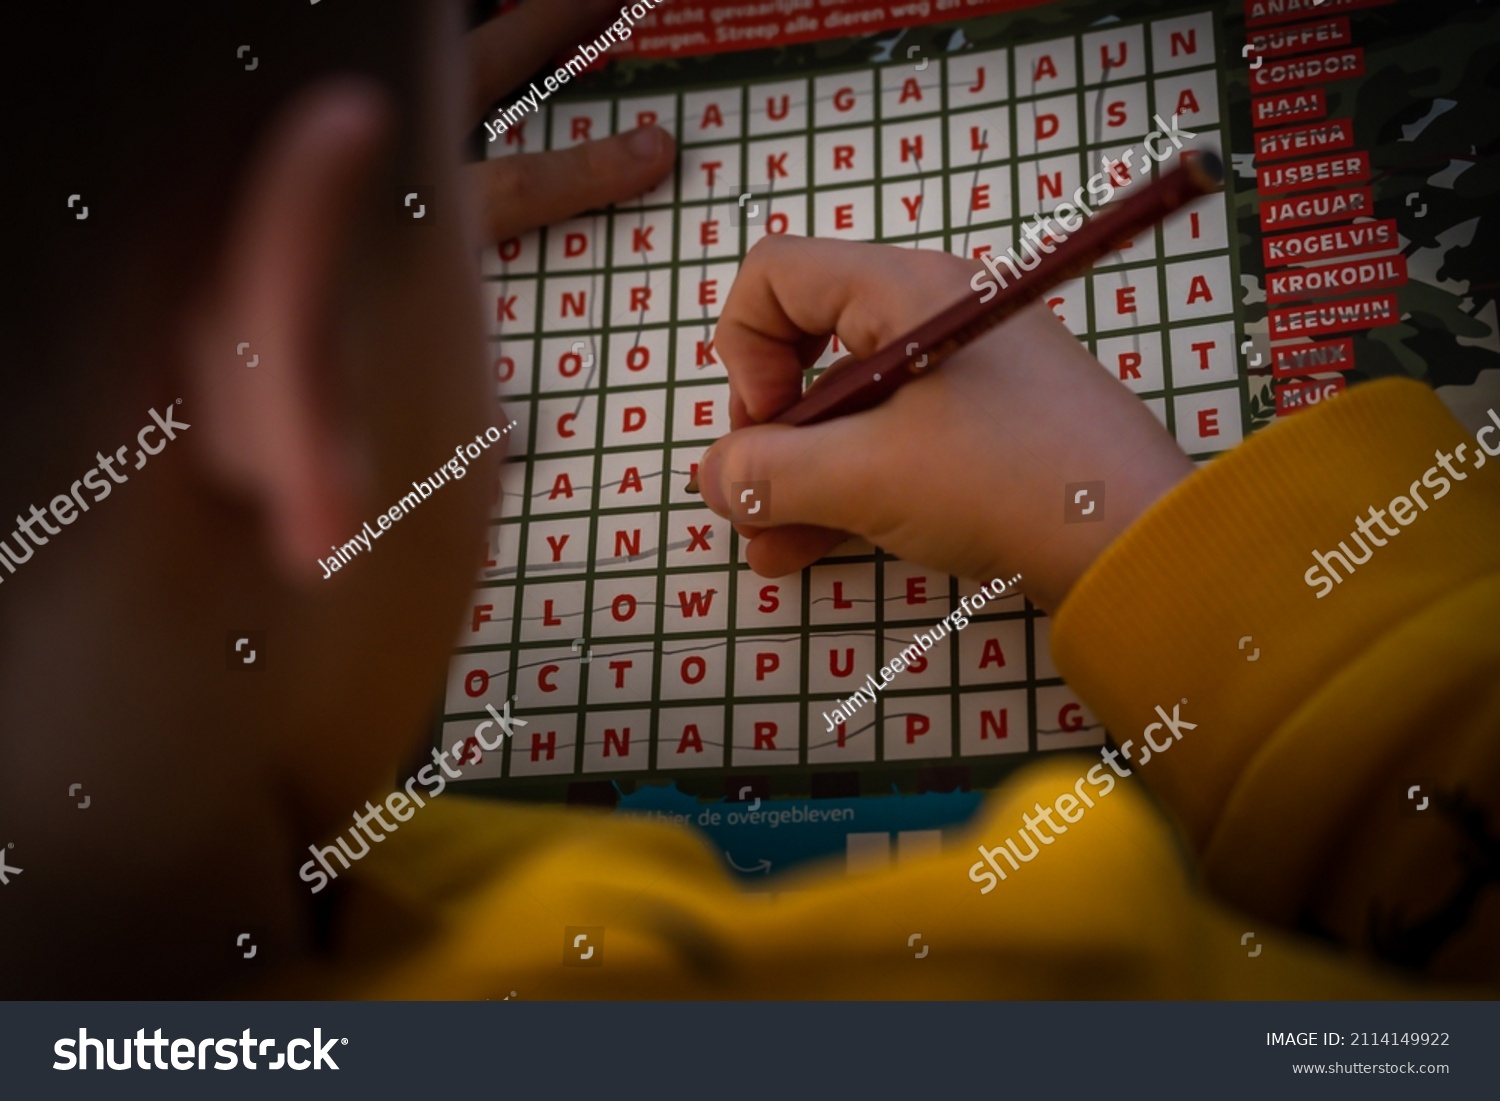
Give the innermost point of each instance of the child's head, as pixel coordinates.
(249, 173)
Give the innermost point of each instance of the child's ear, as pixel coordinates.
(263, 349)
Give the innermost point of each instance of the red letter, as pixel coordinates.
(690, 737)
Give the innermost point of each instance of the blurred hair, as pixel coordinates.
(147, 112)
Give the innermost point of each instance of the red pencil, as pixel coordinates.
(861, 384)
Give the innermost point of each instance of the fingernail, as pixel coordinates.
(645, 142)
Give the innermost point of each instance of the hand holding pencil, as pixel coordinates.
(1014, 414)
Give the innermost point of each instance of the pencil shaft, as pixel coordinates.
(862, 384)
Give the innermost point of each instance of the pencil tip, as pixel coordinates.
(1211, 166)
(692, 486)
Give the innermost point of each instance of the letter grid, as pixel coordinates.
(616, 609)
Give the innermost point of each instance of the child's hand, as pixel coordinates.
(522, 192)
(962, 470)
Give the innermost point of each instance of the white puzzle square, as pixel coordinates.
(977, 78)
(778, 107)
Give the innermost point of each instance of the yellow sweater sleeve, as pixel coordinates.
(1301, 785)
(1291, 789)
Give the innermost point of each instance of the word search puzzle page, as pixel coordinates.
(614, 610)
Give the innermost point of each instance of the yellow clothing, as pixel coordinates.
(1284, 806)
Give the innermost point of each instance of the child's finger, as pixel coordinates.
(528, 190)
(507, 49)
(818, 474)
(776, 552)
(789, 288)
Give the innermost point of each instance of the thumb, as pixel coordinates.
(774, 474)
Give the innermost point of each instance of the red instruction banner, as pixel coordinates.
(1305, 359)
(680, 28)
(1334, 317)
